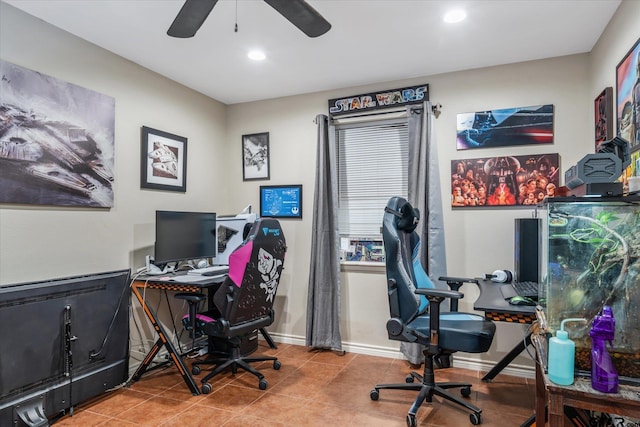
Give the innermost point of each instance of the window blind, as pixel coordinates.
(372, 167)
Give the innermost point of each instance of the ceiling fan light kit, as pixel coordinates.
(194, 12)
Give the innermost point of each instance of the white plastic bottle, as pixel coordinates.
(562, 353)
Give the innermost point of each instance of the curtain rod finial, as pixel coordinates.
(437, 109)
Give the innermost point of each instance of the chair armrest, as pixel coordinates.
(455, 283)
(438, 294)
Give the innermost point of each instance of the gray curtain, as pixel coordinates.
(425, 194)
(323, 300)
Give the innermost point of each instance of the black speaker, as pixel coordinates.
(527, 247)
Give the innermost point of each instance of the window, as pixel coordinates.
(372, 167)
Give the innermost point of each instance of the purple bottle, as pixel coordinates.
(604, 377)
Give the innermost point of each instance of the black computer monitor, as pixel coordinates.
(62, 342)
(183, 236)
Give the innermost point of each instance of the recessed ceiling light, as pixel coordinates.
(454, 16)
(256, 55)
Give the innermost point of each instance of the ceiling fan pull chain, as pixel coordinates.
(236, 28)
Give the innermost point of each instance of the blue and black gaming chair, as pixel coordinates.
(414, 304)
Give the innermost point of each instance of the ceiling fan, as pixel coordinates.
(298, 12)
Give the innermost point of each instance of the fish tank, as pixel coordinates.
(591, 258)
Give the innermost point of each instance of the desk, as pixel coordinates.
(496, 308)
(163, 283)
(579, 395)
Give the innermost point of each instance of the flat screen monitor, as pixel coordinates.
(183, 236)
(281, 201)
(62, 342)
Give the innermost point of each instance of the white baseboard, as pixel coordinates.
(459, 361)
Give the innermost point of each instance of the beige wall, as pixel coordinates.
(45, 242)
(40, 242)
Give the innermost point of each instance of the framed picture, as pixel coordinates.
(163, 161)
(505, 127)
(255, 156)
(57, 145)
(628, 97)
(603, 109)
(504, 180)
(281, 201)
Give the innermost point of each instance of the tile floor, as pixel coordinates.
(312, 388)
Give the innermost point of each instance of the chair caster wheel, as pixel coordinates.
(263, 384)
(409, 379)
(475, 418)
(276, 365)
(411, 420)
(195, 369)
(374, 394)
(206, 388)
(465, 391)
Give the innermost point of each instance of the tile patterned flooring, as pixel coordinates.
(312, 388)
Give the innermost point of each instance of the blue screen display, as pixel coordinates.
(281, 201)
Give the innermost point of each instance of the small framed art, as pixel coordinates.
(603, 110)
(163, 161)
(255, 156)
(281, 201)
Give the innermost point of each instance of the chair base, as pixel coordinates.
(426, 389)
(233, 361)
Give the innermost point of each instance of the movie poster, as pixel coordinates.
(504, 180)
(505, 127)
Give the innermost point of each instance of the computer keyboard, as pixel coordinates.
(526, 289)
(186, 278)
(222, 269)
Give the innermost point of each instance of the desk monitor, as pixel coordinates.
(62, 342)
(183, 236)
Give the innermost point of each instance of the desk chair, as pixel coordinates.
(245, 300)
(414, 304)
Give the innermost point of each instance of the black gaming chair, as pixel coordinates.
(414, 304)
(244, 302)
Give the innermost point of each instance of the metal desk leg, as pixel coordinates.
(162, 341)
(268, 338)
(515, 351)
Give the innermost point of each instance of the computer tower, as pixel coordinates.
(527, 247)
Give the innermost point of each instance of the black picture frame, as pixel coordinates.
(163, 161)
(627, 81)
(255, 157)
(281, 201)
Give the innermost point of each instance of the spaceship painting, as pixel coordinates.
(56, 141)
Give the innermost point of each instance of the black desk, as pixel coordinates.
(496, 308)
(168, 282)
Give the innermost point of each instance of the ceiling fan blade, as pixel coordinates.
(302, 15)
(190, 18)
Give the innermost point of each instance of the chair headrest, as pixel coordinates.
(408, 216)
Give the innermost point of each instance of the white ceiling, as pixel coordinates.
(370, 41)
